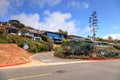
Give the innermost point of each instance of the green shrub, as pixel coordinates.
(3, 39)
(1, 32)
(59, 52)
(44, 45)
(109, 52)
(74, 48)
(116, 46)
(47, 43)
(65, 42)
(78, 48)
(86, 48)
(34, 46)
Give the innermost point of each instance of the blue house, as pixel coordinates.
(57, 37)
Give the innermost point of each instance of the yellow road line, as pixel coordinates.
(33, 76)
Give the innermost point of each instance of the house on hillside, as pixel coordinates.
(7, 28)
(74, 37)
(35, 33)
(1, 26)
(15, 28)
(57, 37)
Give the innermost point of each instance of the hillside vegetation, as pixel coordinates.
(86, 50)
(34, 46)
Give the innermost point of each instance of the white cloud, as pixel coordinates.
(43, 3)
(46, 12)
(79, 5)
(4, 5)
(114, 36)
(28, 19)
(74, 4)
(85, 5)
(86, 29)
(58, 20)
(52, 21)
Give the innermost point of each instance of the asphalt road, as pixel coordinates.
(49, 58)
(106, 70)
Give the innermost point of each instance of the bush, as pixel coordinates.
(3, 39)
(65, 42)
(50, 43)
(59, 52)
(44, 45)
(1, 32)
(74, 48)
(78, 48)
(47, 43)
(116, 46)
(34, 46)
(110, 53)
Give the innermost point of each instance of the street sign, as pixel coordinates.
(25, 46)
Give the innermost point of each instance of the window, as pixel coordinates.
(62, 36)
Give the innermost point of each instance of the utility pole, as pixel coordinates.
(93, 25)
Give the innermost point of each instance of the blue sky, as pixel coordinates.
(68, 15)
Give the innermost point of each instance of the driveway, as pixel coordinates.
(48, 57)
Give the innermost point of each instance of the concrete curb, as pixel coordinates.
(100, 60)
(7, 65)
